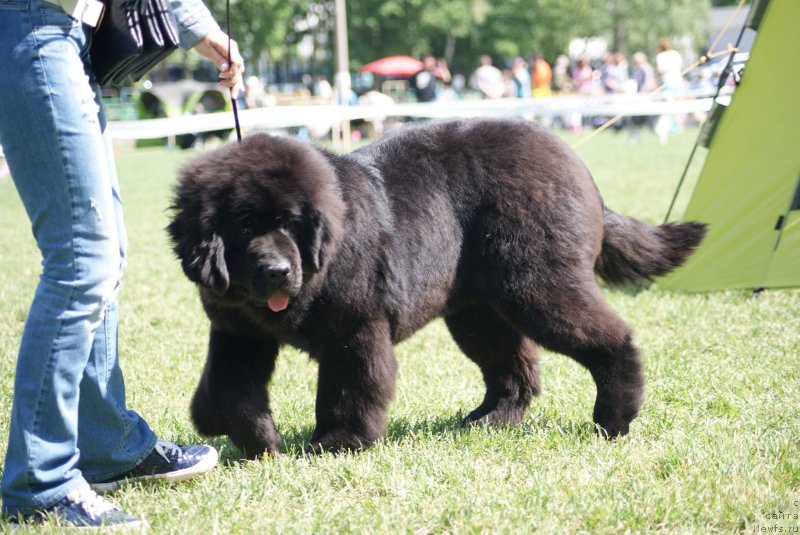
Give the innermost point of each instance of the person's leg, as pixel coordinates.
(119, 439)
(121, 449)
(51, 137)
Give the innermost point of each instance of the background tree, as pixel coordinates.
(632, 25)
(522, 27)
(461, 30)
(263, 28)
(380, 28)
(465, 29)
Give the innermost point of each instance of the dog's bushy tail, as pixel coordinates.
(635, 252)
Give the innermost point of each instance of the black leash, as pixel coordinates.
(233, 100)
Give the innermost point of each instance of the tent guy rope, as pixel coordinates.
(700, 61)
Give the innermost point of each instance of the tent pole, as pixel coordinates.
(683, 177)
(722, 79)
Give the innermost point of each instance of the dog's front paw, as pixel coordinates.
(256, 437)
(614, 411)
(337, 441)
(207, 418)
(504, 412)
(611, 429)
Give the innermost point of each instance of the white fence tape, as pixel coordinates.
(297, 116)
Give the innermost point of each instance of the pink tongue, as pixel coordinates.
(278, 301)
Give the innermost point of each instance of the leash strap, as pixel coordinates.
(233, 100)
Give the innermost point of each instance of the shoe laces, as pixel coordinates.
(94, 505)
(168, 450)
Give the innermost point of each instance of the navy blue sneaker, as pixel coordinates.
(168, 462)
(81, 508)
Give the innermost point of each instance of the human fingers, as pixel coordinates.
(231, 71)
(214, 46)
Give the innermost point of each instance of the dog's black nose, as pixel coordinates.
(276, 274)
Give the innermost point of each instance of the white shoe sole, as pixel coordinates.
(200, 468)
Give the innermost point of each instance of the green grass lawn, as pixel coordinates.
(716, 448)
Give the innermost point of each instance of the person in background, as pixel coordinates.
(614, 73)
(448, 93)
(253, 96)
(669, 64)
(583, 78)
(522, 78)
(643, 74)
(509, 84)
(541, 77)
(488, 79)
(425, 82)
(71, 434)
(584, 82)
(322, 88)
(562, 81)
(459, 83)
(645, 78)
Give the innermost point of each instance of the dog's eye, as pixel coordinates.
(246, 226)
(287, 222)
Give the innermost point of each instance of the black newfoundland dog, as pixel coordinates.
(495, 225)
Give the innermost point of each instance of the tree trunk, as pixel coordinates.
(450, 48)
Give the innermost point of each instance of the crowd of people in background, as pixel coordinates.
(536, 77)
(531, 77)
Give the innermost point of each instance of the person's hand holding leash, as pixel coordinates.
(214, 46)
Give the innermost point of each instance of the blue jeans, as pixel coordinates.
(69, 422)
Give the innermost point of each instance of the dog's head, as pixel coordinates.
(254, 222)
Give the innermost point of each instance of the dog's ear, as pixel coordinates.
(192, 230)
(205, 263)
(202, 256)
(314, 241)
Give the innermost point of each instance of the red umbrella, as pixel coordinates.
(393, 66)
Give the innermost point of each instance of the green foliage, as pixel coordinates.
(715, 449)
(633, 25)
(509, 28)
(522, 27)
(260, 26)
(462, 30)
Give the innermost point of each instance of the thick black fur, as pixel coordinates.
(495, 225)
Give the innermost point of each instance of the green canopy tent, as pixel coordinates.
(748, 191)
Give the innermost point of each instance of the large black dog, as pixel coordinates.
(495, 225)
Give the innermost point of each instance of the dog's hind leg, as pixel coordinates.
(576, 321)
(507, 360)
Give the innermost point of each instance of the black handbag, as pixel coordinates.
(132, 37)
